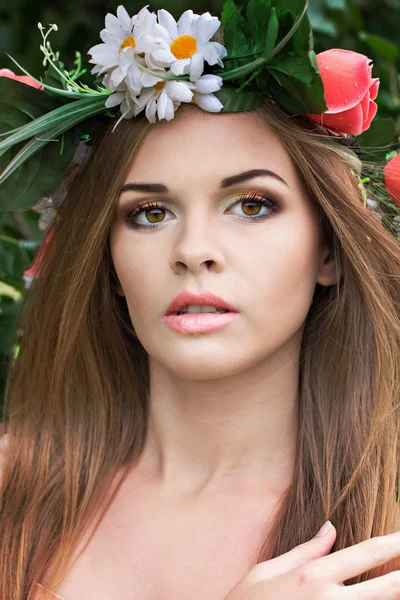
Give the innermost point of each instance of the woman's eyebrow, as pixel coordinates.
(249, 175)
(157, 188)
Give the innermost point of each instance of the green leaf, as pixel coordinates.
(235, 30)
(288, 16)
(272, 34)
(20, 104)
(9, 310)
(258, 15)
(237, 102)
(298, 67)
(41, 174)
(295, 6)
(388, 50)
(335, 4)
(14, 259)
(320, 23)
(297, 97)
(303, 36)
(48, 120)
(382, 132)
(39, 165)
(391, 155)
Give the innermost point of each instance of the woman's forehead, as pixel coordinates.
(210, 144)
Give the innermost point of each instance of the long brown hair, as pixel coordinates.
(76, 401)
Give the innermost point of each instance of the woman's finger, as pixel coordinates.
(386, 587)
(357, 559)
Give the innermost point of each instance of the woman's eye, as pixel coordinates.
(258, 207)
(251, 207)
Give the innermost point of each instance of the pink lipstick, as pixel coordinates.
(178, 319)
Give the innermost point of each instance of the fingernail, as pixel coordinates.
(324, 529)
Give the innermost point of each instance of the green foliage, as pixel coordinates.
(274, 45)
(44, 152)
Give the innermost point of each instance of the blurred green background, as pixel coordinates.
(371, 27)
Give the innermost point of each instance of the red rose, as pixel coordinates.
(22, 78)
(349, 91)
(391, 173)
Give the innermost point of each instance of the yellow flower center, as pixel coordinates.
(183, 46)
(129, 41)
(159, 86)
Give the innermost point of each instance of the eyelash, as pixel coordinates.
(263, 200)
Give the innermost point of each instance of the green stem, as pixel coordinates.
(184, 77)
(252, 66)
(241, 71)
(59, 91)
(242, 55)
(70, 81)
(47, 121)
(34, 145)
(8, 239)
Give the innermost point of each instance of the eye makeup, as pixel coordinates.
(253, 200)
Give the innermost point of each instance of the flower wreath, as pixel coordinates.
(153, 63)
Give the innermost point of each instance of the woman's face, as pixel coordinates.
(208, 232)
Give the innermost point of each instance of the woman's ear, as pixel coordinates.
(329, 272)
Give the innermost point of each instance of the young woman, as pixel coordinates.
(154, 456)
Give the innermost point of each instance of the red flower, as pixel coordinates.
(22, 78)
(349, 91)
(33, 270)
(391, 174)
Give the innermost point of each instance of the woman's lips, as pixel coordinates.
(199, 322)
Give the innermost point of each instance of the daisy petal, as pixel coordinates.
(164, 56)
(213, 52)
(113, 25)
(179, 91)
(186, 22)
(166, 20)
(196, 66)
(170, 110)
(123, 17)
(145, 21)
(162, 104)
(108, 38)
(101, 49)
(127, 109)
(134, 83)
(115, 99)
(208, 102)
(117, 76)
(208, 84)
(178, 67)
(151, 110)
(206, 26)
(101, 71)
(149, 80)
(144, 98)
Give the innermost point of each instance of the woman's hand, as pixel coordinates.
(309, 571)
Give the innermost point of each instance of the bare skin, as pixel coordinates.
(189, 519)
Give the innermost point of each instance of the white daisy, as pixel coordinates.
(121, 37)
(184, 45)
(203, 96)
(163, 99)
(120, 94)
